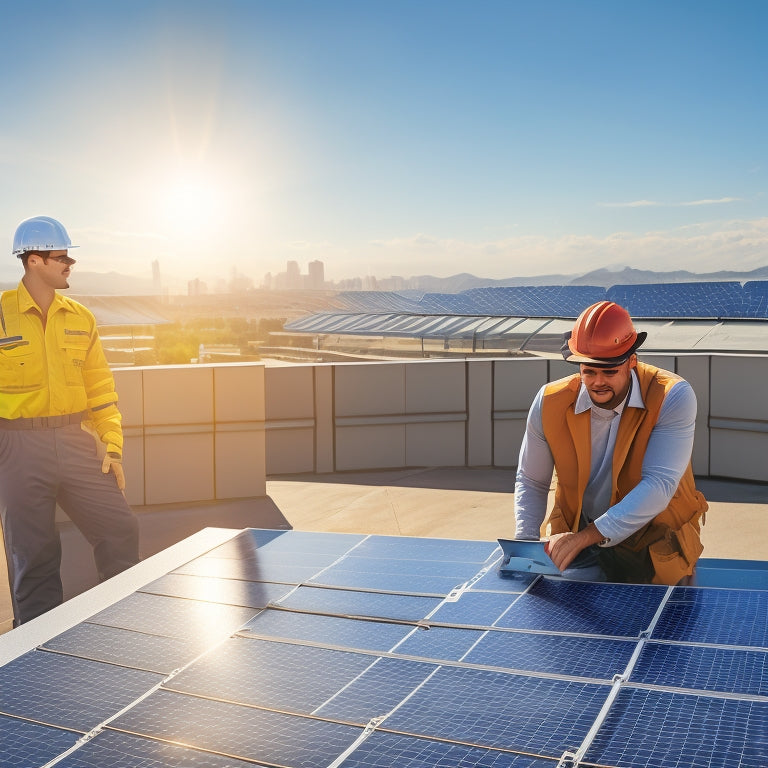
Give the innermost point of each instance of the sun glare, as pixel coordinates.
(192, 207)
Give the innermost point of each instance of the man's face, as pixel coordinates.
(54, 269)
(607, 387)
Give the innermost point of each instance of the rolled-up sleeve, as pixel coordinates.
(534, 475)
(666, 459)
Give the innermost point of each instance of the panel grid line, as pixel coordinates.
(423, 659)
(105, 723)
(194, 747)
(574, 759)
(27, 719)
(473, 744)
(730, 695)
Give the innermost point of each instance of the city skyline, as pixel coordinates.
(495, 137)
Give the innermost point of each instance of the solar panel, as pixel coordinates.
(385, 750)
(153, 653)
(704, 667)
(439, 643)
(391, 652)
(658, 728)
(121, 750)
(729, 617)
(26, 743)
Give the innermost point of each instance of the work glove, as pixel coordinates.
(113, 461)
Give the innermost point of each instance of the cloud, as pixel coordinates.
(737, 245)
(657, 204)
(718, 201)
(633, 204)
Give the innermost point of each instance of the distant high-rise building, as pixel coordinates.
(293, 275)
(316, 275)
(156, 284)
(196, 287)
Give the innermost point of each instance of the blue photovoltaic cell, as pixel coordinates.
(302, 543)
(249, 570)
(68, 692)
(239, 731)
(720, 616)
(479, 609)
(329, 630)
(377, 691)
(345, 603)
(130, 649)
(264, 560)
(558, 654)
(29, 744)
(512, 582)
(172, 617)
(110, 749)
(254, 594)
(389, 750)
(296, 678)
(622, 610)
(245, 543)
(494, 709)
(703, 668)
(403, 583)
(439, 643)
(458, 572)
(657, 728)
(439, 550)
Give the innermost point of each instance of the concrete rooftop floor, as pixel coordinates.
(460, 503)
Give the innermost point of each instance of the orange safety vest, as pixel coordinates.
(673, 536)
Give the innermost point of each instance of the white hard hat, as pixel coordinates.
(40, 233)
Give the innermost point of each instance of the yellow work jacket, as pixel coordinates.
(59, 370)
(673, 535)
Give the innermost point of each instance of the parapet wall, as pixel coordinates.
(192, 432)
(215, 432)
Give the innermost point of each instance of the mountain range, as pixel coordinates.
(115, 284)
(603, 278)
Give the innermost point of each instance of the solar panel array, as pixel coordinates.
(717, 299)
(283, 648)
(684, 300)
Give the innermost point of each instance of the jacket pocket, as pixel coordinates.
(19, 370)
(74, 344)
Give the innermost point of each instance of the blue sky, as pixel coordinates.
(389, 137)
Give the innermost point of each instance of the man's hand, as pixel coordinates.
(114, 462)
(563, 548)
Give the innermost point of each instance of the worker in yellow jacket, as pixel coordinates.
(56, 392)
(619, 436)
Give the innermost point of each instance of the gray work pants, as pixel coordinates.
(38, 468)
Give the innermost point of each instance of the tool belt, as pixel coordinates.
(43, 422)
(656, 554)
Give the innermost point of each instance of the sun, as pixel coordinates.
(192, 206)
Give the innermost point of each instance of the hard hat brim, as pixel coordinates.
(19, 252)
(604, 362)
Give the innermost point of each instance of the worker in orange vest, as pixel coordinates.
(618, 435)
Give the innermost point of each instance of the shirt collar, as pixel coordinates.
(26, 302)
(635, 400)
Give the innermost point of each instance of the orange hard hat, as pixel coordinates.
(603, 334)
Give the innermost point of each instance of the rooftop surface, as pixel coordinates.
(468, 503)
